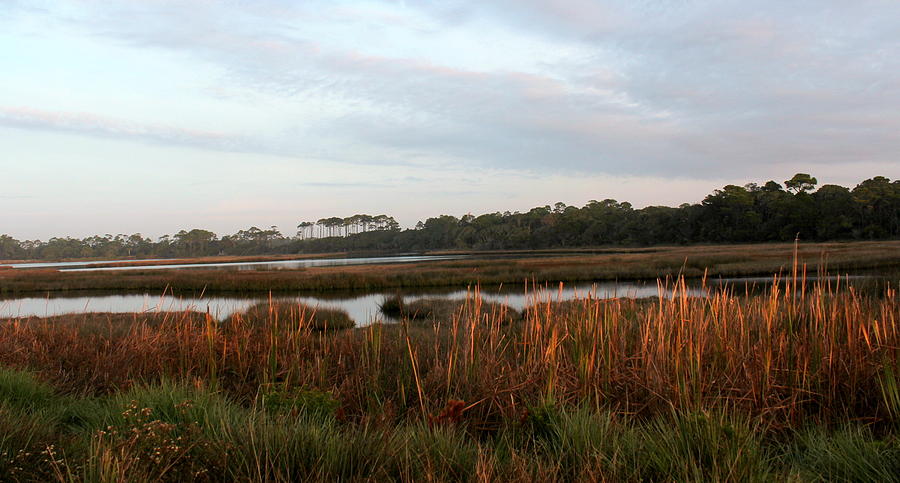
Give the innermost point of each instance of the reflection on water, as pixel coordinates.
(76, 264)
(363, 308)
(278, 264)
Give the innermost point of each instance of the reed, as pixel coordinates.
(662, 262)
(704, 384)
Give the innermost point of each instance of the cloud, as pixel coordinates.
(746, 84)
(663, 88)
(90, 124)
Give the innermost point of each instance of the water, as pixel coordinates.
(74, 264)
(362, 307)
(261, 265)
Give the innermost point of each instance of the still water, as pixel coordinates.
(362, 307)
(262, 265)
(75, 264)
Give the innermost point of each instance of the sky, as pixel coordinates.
(151, 116)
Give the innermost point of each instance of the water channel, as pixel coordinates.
(243, 265)
(362, 307)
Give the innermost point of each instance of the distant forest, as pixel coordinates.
(734, 214)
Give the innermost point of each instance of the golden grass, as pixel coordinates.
(805, 351)
(173, 261)
(691, 262)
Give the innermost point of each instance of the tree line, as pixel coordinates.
(734, 214)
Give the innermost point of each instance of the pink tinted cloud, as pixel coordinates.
(95, 125)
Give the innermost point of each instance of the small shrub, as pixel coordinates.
(27, 451)
(543, 421)
(140, 446)
(451, 414)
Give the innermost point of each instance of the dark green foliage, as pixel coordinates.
(848, 454)
(704, 447)
(310, 402)
(543, 421)
(733, 214)
(392, 306)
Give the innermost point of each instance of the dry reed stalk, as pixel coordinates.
(830, 359)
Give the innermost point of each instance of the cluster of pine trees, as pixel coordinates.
(733, 214)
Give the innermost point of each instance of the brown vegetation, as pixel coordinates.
(695, 261)
(799, 383)
(823, 353)
(314, 318)
(437, 309)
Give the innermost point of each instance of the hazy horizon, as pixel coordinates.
(130, 116)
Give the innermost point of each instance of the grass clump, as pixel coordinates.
(850, 453)
(312, 402)
(20, 390)
(298, 314)
(436, 309)
(704, 447)
(111, 324)
(392, 306)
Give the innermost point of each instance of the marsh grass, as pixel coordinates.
(849, 453)
(175, 432)
(723, 386)
(437, 309)
(792, 353)
(661, 262)
(313, 317)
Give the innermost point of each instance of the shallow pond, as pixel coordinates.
(362, 307)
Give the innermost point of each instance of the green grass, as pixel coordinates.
(784, 385)
(851, 453)
(175, 432)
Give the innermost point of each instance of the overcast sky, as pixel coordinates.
(150, 116)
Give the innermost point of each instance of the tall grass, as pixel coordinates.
(788, 356)
(691, 262)
(721, 386)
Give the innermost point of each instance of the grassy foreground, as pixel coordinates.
(799, 384)
(650, 263)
